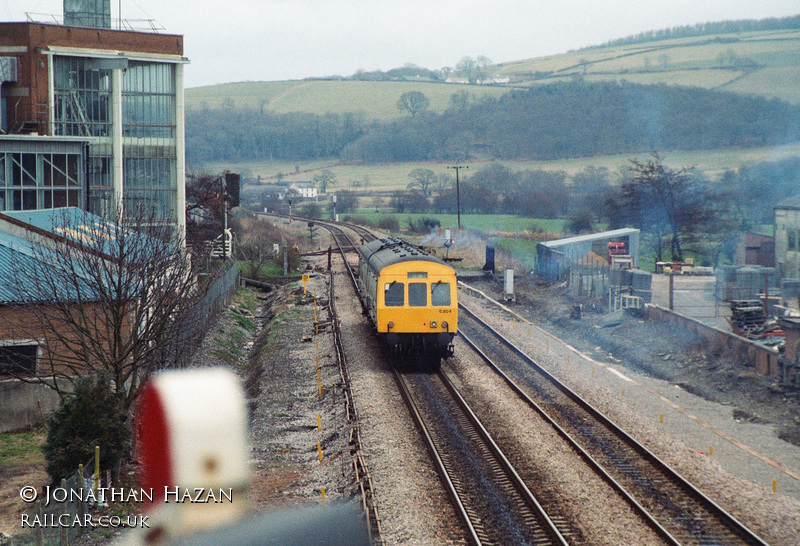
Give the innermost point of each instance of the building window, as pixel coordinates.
(32, 181)
(791, 239)
(82, 98)
(18, 359)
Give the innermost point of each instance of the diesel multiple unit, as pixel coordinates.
(410, 298)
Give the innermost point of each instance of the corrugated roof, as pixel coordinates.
(82, 227)
(591, 237)
(21, 262)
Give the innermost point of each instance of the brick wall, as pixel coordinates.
(763, 359)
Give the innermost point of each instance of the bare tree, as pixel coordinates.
(324, 179)
(423, 179)
(413, 102)
(670, 204)
(111, 298)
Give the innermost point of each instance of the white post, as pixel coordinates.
(180, 151)
(117, 166)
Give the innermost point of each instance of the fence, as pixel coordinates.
(218, 290)
(53, 522)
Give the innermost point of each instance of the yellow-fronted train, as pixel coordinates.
(411, 298)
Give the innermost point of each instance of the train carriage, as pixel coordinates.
(410, 298)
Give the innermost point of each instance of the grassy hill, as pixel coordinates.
(377, 100)
(765, 63)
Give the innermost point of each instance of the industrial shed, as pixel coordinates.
(554, 258)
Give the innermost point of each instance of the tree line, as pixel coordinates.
(581, 119)
(555, 121)
(708, 29)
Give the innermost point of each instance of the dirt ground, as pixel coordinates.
(661, 351)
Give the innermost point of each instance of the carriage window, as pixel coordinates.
(418, 294)
(440, 293)
(393, 294)
(418, 275)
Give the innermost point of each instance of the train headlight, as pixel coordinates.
(433, 324)
(444, 324)
(391, 324)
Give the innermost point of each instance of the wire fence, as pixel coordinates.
(218, 289)
(59, 518)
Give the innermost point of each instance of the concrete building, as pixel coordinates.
(91, 116)
(787, 237)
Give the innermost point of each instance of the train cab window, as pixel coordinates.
(417, 294)
(393, 295)
(418, 275)
(440, 294)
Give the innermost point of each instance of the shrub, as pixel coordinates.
(389, 224)
(93, 416)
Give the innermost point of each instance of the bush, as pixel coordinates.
(423, 225)
(93, 416)
(389, 224)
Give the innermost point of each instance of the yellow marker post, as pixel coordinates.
(305, 280)
(319, 380)
(319, 422)
(661, 418)
(710, 450)
(592, 371)
(323, 494)
(97, 467)
(774, 485)
(623, 392)
(567, 358)
(514, 323)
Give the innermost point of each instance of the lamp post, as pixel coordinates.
(458, 191)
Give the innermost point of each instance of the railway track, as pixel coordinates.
(509, 513)
(494, 503)
(667, 502)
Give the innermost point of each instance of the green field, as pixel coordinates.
(486, 223)
(376, 100)
(765, 63)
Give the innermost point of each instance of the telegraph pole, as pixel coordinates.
(458, 191)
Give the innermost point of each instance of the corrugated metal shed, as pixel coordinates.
(82, 227)
(21, 262)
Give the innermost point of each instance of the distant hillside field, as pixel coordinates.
(764, 63)
(377, 100)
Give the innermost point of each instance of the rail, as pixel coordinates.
(640, 476)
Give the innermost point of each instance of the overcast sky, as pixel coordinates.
(256, 40)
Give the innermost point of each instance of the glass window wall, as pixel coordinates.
(30, 181)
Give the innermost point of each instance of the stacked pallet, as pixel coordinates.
(747, 317)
